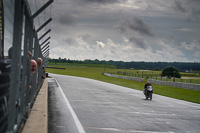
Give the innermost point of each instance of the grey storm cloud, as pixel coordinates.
(189, 8)
(86, 29)
(196, 13)
(179, 7)
(138, 42)
(67, 19)
(137, 25)
(105, 1)
(194, 1)
(69, 41)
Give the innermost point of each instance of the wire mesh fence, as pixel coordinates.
(22, 64)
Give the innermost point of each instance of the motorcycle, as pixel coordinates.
(148, 93)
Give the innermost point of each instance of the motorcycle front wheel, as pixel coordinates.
(150, 96)
(147, 96)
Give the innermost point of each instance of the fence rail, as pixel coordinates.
(20, 82)
(158, 82)
(177, 84)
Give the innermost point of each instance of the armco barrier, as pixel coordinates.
(124, 77)
(158, 82)
(177, 84)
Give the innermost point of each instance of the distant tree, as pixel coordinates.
(143, 68)
(171, 72)
(182, 66)
(96, 61)
(157, 69)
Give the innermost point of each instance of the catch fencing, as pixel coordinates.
(19, 44)
(158, 82)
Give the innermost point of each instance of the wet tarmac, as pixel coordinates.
(60, 119)
(80, 105)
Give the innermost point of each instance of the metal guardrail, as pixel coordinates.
(124, 77)
(19, 85)
(158, 82)
(190, 86)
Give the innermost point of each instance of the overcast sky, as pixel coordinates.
(125, 30)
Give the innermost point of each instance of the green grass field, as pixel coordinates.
(96, 73)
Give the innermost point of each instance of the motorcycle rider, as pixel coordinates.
(145, 86)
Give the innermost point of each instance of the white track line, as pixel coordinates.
(76, 120)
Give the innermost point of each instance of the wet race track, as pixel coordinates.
(80, 105)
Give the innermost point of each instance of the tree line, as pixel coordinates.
(181, 66)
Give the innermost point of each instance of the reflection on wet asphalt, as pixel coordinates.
(60, 119)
